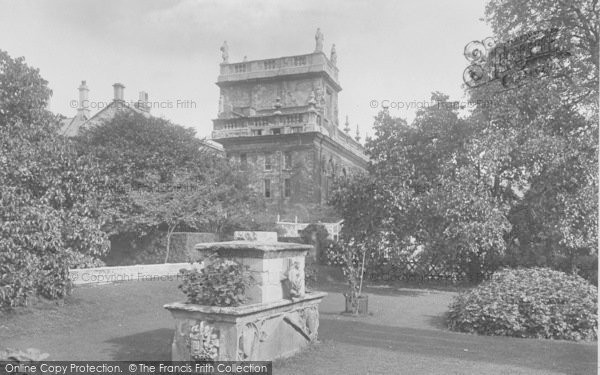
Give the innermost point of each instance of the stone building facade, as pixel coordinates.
(279, 119)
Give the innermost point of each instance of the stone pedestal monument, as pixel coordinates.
(280, 319)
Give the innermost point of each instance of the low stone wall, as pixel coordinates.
(293, 229)
(182, 245)
(141, 272)
(254, 236)
(128, 249)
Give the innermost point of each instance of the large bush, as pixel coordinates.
(534, 302)
(52, 200)
(316, 235)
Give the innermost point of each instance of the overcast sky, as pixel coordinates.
(392, 50)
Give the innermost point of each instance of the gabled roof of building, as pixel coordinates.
(213, 146)
(72, 126)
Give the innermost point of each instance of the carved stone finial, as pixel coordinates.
(225, 52)
(245, 58)
(347, 126)
(333, 56)
(319, 39)
(357, 134)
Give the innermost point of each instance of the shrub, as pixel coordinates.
(316, 235)
(17, 278)
(79, 260)
(310, 272)
(221, 282)
(534, 302)
(53, 201)
(333, 254)
(29, 355)
(53, 280)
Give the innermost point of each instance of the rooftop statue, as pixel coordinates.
(333, 56)
(319, 39)
(225, 52)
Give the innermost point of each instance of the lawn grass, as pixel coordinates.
(405, 335)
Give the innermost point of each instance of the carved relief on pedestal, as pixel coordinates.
(305, 321)
(251, 334)
(203, 342)
(295, 278)
(311, 314)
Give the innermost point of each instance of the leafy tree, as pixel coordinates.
(578, 23)
(168, 178)
(547, 129)
(193, 201)
(50, 198)
(434, 191)
(363, 204)
(517, 179)
(140, 151)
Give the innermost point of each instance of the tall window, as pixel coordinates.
(328, 103)
(243, 161)
(267, 188)
(268, 165)
(287, 160)
(287, 187)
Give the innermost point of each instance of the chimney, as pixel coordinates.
(119, 92)
(83, 108)
(142, 103)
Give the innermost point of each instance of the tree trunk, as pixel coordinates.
(362, 272)
(170, 231)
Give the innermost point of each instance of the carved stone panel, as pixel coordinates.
(203, 342)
